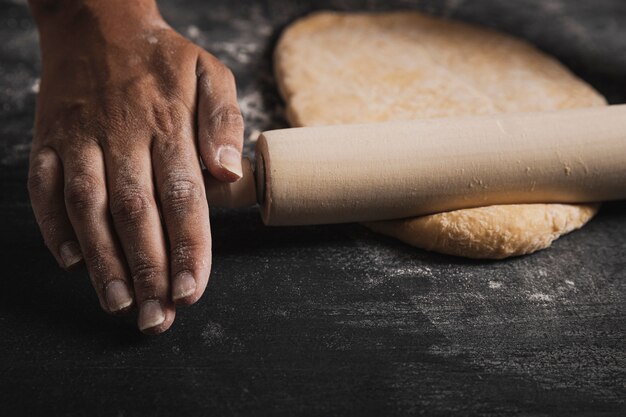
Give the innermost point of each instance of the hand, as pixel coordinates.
(125, 104)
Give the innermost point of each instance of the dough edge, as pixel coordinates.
(492, 232)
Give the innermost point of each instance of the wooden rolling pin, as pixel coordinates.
(350, 173)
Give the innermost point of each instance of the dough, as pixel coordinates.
(490, 232)
(335, 68)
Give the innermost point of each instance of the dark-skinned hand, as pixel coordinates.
(127, 108)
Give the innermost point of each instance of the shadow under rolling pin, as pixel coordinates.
(382, 171)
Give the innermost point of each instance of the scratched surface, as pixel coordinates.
(329, 320)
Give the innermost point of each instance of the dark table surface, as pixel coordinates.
(322, 320)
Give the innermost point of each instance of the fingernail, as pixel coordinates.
(150, 314)
(230, 159)
(184, 285)
(117, 295)
(70, 254)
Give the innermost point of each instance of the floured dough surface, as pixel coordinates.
(335, 68)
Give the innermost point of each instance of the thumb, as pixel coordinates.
(220, 124)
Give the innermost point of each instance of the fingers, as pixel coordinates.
(138, 225)
(86, 203)
(220, 124)
(186, 215)
(45, 186)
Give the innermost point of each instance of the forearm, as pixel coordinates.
(68, 20)
(58, 11)
(68, 29)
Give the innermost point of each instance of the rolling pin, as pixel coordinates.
(355, 173)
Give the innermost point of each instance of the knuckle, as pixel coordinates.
(229, 116)
(168, 119)
(146, 274)
(98, 261)
(227, 74)
(82, 192)
(48, 222)
(187, 250)
(39, 174)
(51, 229)
(129, 204)
(180, 193)
(93, 258)
(37, 181)
(216, 69)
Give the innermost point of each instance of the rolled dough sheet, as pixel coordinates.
(335, 68)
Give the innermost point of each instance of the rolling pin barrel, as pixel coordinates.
(336, 174)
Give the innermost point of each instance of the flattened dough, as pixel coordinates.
(335, 68)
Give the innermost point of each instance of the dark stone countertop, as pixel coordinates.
(322, 320)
